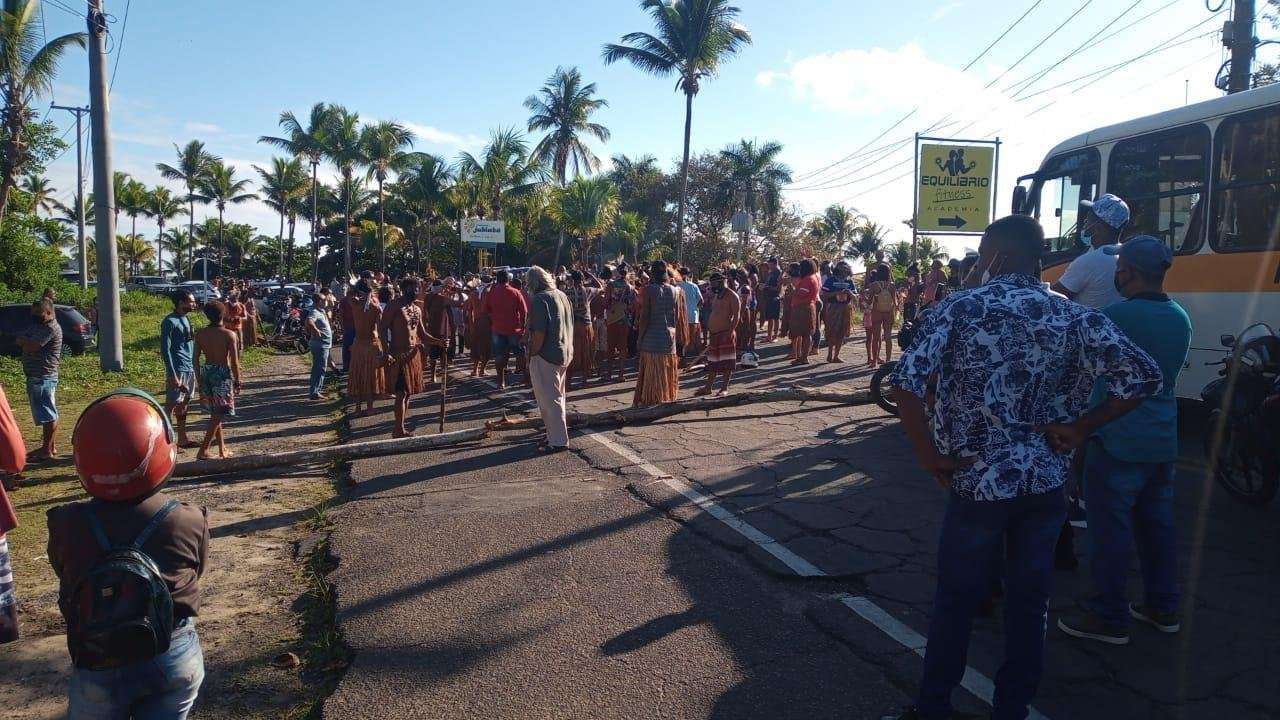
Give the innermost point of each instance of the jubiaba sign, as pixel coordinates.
(955, 188)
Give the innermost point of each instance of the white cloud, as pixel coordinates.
(200, 127)
(946, 9)
(443, 138)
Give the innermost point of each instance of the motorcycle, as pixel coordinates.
(881, 391)
(289, 336)
(1245, 418)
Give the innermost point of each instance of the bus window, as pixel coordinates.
(1065, 180)
(1163, 177)
(1246, 197)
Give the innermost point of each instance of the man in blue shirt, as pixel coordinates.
(1129, 467)
(1014, 367)
(177, 345)
(316, 326)
(692, 299)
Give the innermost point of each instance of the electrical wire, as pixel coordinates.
(1038, 45)
(64, 7)
(124, 25)
(805, 177)
(1031, 79)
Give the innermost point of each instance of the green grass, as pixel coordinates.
(80, 382)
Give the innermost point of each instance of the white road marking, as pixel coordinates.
(973, 681)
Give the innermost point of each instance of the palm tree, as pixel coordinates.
(505, 167)
(836, 225)
(192, 168)
(422, 187)
(41, 192)
(343, 148)
(586, 208)
(694, 37)
(57, 235)
(241, 243)
(868, 240)
(754, 169)
(181, 246)
(27, 71)
(132, 200)
(221, 187)
(133, 250)
(163, 207)
(282, 187)
(384, 150)
(928, 249)
(900, 253)
(119, 181)
(626, 233)
(461, 200)
(308, 142)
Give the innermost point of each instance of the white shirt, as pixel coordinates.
(1092, 279)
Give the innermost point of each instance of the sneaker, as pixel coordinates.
(1091, 627)
(318, 397)
(1076, 514)
(1165, 622)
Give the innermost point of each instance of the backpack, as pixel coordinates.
(884, 298)
(120, 612)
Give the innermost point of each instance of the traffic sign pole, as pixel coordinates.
(915, 204)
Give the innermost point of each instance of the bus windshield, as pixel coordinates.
(1064, 181)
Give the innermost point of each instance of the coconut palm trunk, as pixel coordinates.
(280, 243)
(221, 230)
(346, 224)
(382, 228)
(160, 249)
(288, 249)
(684, 176)
(315, 218)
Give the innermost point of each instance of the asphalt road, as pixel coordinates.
(759, 562)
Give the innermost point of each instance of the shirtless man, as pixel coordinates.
(219, 375)
(437, 317)
(402, 321)
(722, 348)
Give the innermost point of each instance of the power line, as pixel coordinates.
(1089, 42)
(811, 175)
(64, 7)
(1038, 45)
(124, 25)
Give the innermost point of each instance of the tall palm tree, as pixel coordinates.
(28, 66)
(694, 37)
(241, 243)
(343, 148)
(41, 192)
(626, 233)
(181, 247)
(868, 240)
(306, 142)
(132, 200)
(504, 167)
(462, 199)
(221, 187)
(191, 169)
(422, 187)
(928, 249)
(57, 235)
(755, 170)
(119, 181)
(282, 187)
(384, 149)
(564, 111)
(585, 208)
(836, 225)
(163, 207)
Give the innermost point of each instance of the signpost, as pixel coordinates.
(956, 183)
(491, 232)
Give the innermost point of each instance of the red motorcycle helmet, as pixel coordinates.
(124, 447)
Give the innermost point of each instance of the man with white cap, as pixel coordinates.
(1090, 278)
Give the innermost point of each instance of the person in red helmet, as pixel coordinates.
(129, 562)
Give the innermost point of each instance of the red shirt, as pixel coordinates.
(806, 290)
(507, 309)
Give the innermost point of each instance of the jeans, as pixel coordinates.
(1130, 502)
(968, 561)
(42, 394)
(319, 361)
(163, 688)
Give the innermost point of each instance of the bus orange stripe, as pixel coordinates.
(1215, 272)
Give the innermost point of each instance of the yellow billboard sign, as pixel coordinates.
(955, 186)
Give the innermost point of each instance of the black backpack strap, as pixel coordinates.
(98, 533)
(153, 524)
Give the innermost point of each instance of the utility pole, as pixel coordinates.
(1239, 37)
(81, 242)
(110, 345)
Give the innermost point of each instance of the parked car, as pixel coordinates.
(203, 291)
(150, 283)
(78, 334)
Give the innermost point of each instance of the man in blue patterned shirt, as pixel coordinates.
(1014, 367)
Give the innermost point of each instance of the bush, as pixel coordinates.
(26, 265)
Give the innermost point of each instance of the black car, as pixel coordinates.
(77, 332)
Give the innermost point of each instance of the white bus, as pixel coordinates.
(1204, 178)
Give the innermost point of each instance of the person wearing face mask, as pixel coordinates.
(1014, 368)
(41, 345)
(1128, 473)
(1089, 279)
(722, 348)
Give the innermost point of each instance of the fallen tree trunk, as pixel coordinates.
(350, 451)
(657, 412)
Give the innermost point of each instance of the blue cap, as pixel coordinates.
(1109, 209)
(1143, 253)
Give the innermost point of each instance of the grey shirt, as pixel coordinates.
(43, 363)
(550, 314)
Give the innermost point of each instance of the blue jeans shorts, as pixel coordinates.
(163, 688)
(42, 393)
(174, 396)
(503, 344)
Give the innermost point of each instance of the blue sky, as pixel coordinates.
(823, 77)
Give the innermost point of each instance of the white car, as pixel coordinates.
(203, 291)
